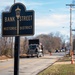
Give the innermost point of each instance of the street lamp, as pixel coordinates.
(18, 16)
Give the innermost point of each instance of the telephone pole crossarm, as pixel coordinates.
(70, 4)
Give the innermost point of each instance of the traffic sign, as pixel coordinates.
(18, 21)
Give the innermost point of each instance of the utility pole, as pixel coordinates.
(14, 1)
(71, 5)
(12, 43)
(71, 40)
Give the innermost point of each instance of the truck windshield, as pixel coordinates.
(32, 46)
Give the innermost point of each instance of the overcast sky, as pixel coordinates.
(50, 15)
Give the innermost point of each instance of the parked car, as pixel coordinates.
(62, 50)
(57, 50)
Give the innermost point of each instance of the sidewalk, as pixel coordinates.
(66, 62)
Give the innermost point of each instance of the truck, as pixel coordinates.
(34, 48)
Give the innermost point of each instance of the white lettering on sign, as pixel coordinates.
(22, 18)
(10, 28)
(25, 27)
(9, 19)
(26, 18)
(21, 28)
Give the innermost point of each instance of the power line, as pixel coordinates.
(73, 2)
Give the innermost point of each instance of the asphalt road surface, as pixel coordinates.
(29, 66)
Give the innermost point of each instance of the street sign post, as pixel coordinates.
(16, 23)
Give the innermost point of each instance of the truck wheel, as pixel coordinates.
(31, 55)
(27, 56)
(37, 56)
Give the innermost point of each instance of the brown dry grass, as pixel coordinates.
(3, 57)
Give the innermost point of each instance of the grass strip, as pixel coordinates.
(57, 69)
(60, 69)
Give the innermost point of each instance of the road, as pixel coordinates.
(29, 66)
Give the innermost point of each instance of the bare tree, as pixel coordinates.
(23, 45)
(51, 41)
(4, 46)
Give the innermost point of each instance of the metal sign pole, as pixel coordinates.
(16, 55)
(17, 46)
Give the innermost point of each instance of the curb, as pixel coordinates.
(5, 60)
(48, 66)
